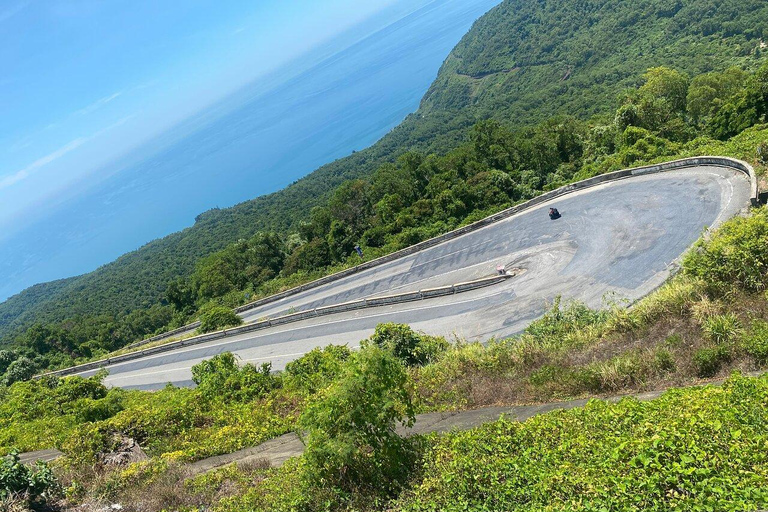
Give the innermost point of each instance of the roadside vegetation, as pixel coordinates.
(522, 64)
(419, 197)
(699, 447)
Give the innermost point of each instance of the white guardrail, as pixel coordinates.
(373, 302)
(684, 163)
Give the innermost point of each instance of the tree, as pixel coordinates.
(341, 240)
(181, 295)
(213, 277)
(216, 317)
(410, 347)
(668, 85)
(351, 206)
(352, 443)
(6, 358)
(308, 257)
(708, 92)
(21, 369)
(626, 116)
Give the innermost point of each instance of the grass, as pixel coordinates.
(702, 324)
(692, 449)
(673, 337)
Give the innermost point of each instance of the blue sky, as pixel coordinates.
(84, 81)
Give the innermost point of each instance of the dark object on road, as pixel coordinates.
(554, 214)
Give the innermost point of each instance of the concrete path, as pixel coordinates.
(278, 450)
(618, 239)
(40, 455)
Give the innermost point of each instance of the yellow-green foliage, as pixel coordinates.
(744, 145)
(80, 416)
(183, 423)
(44, 413)
(735, 255)
(692, 449)
(216, 317)
(673, 299)
(756, 342)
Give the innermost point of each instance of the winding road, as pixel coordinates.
(615, 241)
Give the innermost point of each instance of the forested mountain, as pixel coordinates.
(522, 63)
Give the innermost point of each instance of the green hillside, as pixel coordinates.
(521, 63)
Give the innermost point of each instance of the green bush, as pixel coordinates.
(562, 320)
(735, 254)
(216, 318)
(692, 449)
(221, 377)
(664, 361)
(34, 484)
(352, 444)
(756, 342)
(571, 380)
(722, 329)
(6, 358)
(19, 370)
(709, 360)
(411, 347)
(316, 369)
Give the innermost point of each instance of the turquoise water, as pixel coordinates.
(254, 143)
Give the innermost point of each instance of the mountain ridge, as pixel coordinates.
(556, 74)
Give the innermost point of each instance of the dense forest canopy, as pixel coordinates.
(540, 71)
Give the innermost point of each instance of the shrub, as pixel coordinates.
(691, 449)
(734, 255)
(562, 320)
(216, 318)
(762, 152)
(19, 370)
(221, 377)
(722, 329)
(316, 369)
(28, 483)
(709, 360)
(6, 358)
(352, 445)
(411, 347)
(756, 342)
(663, 361)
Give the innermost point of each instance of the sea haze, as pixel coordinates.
(259, 140)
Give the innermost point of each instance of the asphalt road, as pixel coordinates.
(617, 241)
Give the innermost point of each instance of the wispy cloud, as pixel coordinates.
(41, 162)
(26, 172)
(98, 104)
(20, 144)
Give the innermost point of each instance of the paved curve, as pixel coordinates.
(619, 239)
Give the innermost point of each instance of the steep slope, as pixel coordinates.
(521, 63)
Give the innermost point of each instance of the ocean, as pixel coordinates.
(258, 141)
